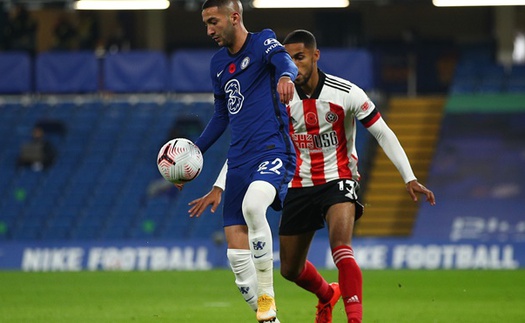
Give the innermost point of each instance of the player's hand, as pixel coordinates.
(199, 205)
(285, 88)
(414, 187)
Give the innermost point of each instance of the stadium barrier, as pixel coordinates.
(184, 71)
(206, 254)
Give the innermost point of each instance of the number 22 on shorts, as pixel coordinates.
(267, 167)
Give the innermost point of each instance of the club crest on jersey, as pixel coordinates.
(330, 117)
(245, 62)
(234, 95)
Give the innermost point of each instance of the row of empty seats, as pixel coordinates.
(478, 72)
(98, 187)
(105, 184)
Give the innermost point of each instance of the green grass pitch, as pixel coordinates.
(390, 296)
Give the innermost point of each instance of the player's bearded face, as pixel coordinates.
(304, 59)
(218, 26)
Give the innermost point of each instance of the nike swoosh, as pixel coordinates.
(257, 257)
(249, 299)
(219, 74)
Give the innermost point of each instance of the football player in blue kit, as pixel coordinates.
(252, 76)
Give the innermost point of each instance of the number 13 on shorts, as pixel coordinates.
(350, 187)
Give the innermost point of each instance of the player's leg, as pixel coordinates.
(295, 267)
(259, 196)
(340, 218)
(301, 217)
(241, 263)
(236, 231)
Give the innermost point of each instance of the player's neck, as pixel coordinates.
(240, 39)
(310, 87)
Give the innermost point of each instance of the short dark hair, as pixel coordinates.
(222, 3)
(301, 36)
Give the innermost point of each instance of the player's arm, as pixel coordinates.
(395, 152)
(213, 197)
(215, 127)
(287, 72)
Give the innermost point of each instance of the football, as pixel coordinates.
(179, 161)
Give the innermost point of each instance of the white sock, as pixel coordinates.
(245, 277)
(258, 197)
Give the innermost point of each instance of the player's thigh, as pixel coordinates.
(237, 237)
(341, 218)
(237, 183)
(293, 253)
(276, 169)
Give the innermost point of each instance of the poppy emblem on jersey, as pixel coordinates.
(245, 62)
(232, 68)
(330, 117)
(311, 118)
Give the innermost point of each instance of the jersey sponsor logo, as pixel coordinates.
(319, 141)
(365, 106)
(270, 44)
(235, 97)
(303, 141)
(330, 117)
(270, 41)
(245, 62)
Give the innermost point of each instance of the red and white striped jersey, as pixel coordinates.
(323, 129)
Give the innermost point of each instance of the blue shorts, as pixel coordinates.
(276, 169)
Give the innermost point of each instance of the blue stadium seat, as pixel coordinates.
(97, 188)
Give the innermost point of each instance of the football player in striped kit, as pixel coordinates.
(323, 116)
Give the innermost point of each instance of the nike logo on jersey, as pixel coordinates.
(219, 74)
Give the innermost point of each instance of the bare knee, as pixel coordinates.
(290, 272)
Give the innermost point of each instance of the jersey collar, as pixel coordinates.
(318, 88)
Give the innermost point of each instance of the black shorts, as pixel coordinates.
(305, 207)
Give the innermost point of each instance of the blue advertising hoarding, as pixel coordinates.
(205, 255)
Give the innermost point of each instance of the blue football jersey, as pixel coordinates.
(246, 98)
